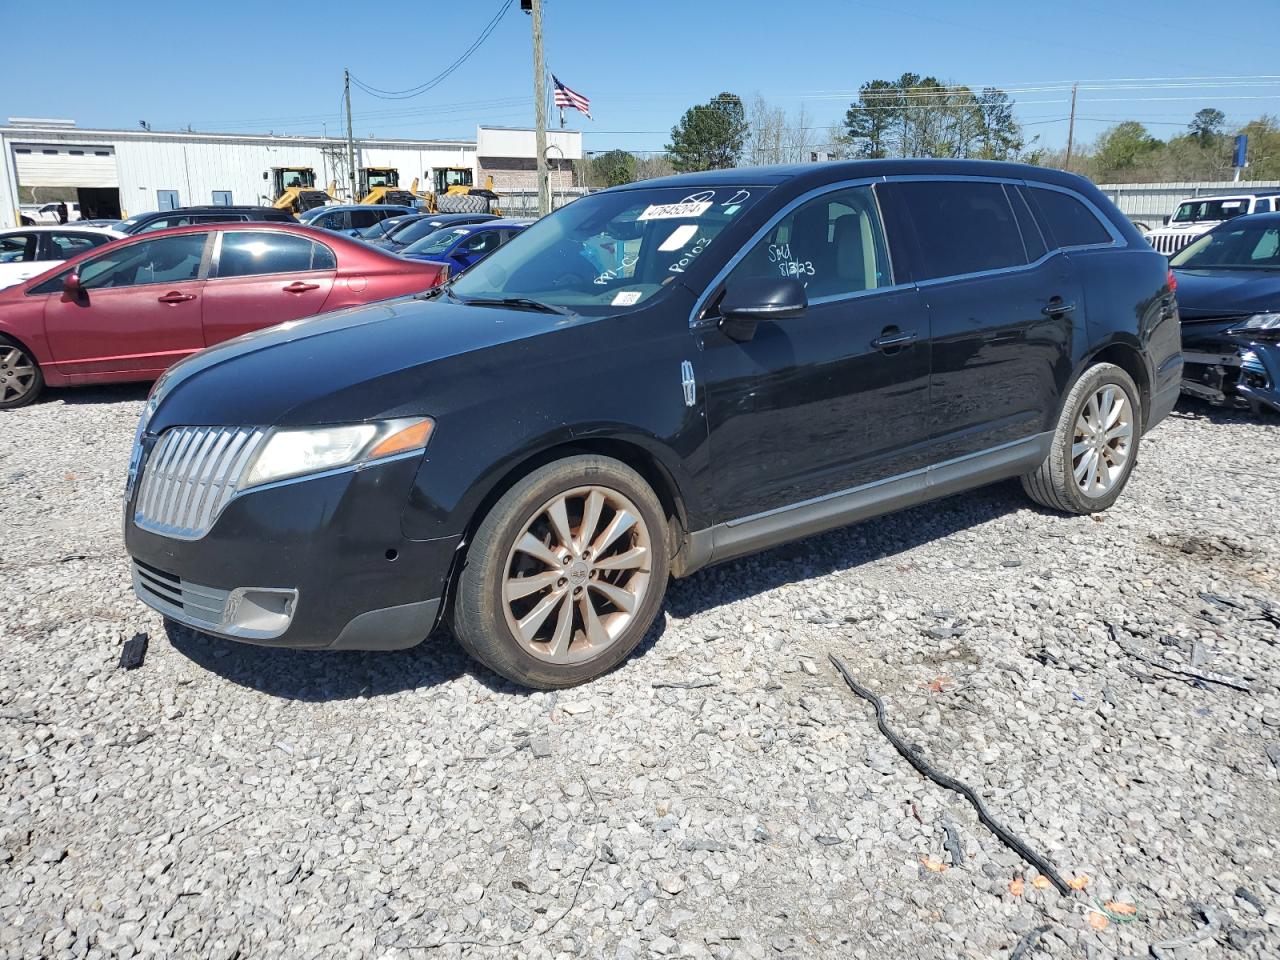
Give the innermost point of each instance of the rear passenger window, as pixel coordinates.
(67, 245)
(245, 254)
(963, 227)
(1070, 222)
(834, 245)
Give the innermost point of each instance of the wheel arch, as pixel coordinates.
(638, 454)
(1129, 357)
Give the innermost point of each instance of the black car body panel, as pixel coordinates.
(812, 422)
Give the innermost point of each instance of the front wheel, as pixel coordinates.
(20, 378)
(1095, 446)
(565, 574)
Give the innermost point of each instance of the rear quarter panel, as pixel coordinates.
(1129, 304)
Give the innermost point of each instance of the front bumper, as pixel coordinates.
(311, 563)
(1231, 374)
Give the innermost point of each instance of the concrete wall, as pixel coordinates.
(1150, 203)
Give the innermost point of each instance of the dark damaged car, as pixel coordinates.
(652, 379)
(1229, 296)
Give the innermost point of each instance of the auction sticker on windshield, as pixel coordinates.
(671, 211)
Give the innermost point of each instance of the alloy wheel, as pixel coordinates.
(577, 575)
(17, 373)
(1102, 442)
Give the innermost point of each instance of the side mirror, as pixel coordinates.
(751, 299)
(1166, 221)
(71, 288)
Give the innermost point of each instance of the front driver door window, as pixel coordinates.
(812, 406)
(139, 310)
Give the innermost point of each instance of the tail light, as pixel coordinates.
(443, 275)
(1173, 283)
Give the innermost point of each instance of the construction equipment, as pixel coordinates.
(455, 193)
(382, 185)
(295, 189)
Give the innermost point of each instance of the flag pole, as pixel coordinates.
(562, 118)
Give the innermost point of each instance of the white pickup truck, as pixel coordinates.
(34, 214)
(1196, 216)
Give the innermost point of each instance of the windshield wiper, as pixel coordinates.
(525, 302)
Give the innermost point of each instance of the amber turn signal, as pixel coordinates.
(410, 438)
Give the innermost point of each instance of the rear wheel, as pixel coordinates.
(565, 574)
(20, 378)
(1095, 446)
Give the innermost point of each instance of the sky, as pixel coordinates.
(244, 67)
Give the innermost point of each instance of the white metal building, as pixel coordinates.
(116, 173)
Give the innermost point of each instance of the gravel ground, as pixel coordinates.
(723, 794)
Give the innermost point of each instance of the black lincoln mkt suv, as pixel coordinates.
(655, 378)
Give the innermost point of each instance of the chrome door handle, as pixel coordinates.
(1057, 307)
(887, 341)
(176, 297)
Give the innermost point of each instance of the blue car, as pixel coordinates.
(462, 246)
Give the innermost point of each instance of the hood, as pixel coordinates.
(355, 364)
(1211, 293)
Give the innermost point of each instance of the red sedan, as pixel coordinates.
(130, 309)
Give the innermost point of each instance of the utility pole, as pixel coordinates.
(1071, 126)
(351, 144)
(540, 111)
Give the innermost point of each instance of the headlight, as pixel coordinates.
(135, 456)
(1258, 323)
(294, 453)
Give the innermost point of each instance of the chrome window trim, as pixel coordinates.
(696, 323)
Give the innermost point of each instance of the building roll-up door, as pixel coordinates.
(61, 165)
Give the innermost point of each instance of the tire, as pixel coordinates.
(496, 595)
(21, 380)
(462, 203)
(1056, 484)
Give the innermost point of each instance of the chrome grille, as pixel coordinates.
(1170, 243)
(190, 476)
(177, 598)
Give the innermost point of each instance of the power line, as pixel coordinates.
(443, 74)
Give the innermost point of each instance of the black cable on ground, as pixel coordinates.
(913, 758)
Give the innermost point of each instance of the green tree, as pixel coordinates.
(1206, 126)
(613, 168)
(1000, 135)
(917, 116)
(709, 136)
(870, 122)
(1125, 145)
(1264, 148)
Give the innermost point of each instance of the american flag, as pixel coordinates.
(568, 98)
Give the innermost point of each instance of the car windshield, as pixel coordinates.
(1243, 247)
(1213, 211)
(608, 250)
(438, 241)
(414, 231)
(376, 231)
